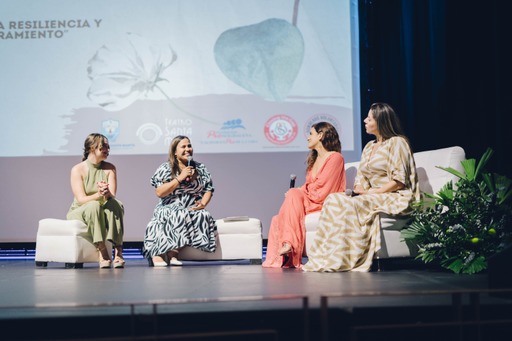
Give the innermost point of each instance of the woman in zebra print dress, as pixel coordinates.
(180, 219)
(348, 233)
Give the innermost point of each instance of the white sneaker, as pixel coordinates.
(159, 264)
(175, 261)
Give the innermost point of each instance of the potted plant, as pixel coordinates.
(461, 226)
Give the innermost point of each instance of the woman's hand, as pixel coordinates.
(199, 206)
(358, 189)
(103, 189)
(187, 173)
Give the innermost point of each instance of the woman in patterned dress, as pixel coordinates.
(325, 174)
(180, 219)
(94, 185)
(348, 233)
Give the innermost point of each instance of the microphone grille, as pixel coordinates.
(189, 158)
(293, 176)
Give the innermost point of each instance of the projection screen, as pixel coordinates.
(244, 79)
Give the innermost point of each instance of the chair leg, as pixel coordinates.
(41, 264)
(74, 265)
(379, 268)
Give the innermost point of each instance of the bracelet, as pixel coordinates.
(179, 182)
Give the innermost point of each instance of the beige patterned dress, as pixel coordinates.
(348, 233)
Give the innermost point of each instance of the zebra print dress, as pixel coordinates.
(348, 233)
(173, 225)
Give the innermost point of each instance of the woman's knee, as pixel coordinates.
(294, 194)
(334, 198)
(92, 206)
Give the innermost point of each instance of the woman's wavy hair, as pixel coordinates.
(330, 140)
(92, 142)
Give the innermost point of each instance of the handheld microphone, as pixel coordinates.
(189, 160)
(292, 180)
(349, 192)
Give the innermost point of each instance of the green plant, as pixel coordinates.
(463, 225)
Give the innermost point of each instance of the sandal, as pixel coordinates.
(118, 262)
(286, 249)
(118, 259)
(105, 263)
(102, 252)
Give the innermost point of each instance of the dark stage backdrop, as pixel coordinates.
(446, 68)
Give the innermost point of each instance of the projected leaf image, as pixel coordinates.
(127, 70)
(123, 72)
(263, 58)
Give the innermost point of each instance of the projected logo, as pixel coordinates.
(321, 118)
(281, 129)
(149, 133)
(110, 128)
(231, 132)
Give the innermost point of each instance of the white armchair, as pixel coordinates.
(65, 241)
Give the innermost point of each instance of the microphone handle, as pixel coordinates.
(187, 179)
(292, 183)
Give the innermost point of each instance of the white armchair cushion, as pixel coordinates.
(66, 241)
(235, 240)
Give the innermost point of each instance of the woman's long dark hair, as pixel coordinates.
(388, 123)
(330, 140)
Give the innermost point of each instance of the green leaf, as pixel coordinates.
(503, 188)
(483, 160)
(455, 265)
(478, 264)
(469, 168)
(453, 171)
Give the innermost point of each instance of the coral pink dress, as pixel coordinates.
(288, 224)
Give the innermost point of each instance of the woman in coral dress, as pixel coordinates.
(325, 174)
(348, 233)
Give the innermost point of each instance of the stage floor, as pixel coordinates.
(30, 292)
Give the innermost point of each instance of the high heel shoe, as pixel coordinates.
(286, 249)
